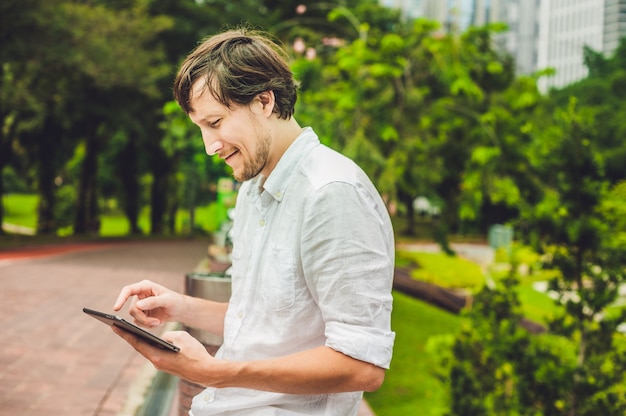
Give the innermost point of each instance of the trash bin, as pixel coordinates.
(500, 236)
(211, 286)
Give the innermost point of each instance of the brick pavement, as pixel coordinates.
(54, 359)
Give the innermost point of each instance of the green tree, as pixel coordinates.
(195, 172)
(112, 47)
(86, 54)
(579, 242)
(410, 105)
(499, 368)
(550, 166)
(603, 90)
(575, 222)
(495, 179)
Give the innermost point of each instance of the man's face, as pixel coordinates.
(239, 135)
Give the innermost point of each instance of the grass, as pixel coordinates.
(21, 210)
(458, 273)
(451, 272)
(411, 384)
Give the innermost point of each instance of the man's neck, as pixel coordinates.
(284, 134)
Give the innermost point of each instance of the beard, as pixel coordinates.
(256, 164)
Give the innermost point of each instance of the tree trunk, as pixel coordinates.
(46, 140)
(1, 194)
(161, 166)
(407, 201)
(158, 201)
(86, 220)
(4, 158)
(129, 178)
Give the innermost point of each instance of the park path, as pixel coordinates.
(54, 359)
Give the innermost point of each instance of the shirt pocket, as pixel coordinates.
(279, 280)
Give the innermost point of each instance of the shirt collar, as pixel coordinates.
(277, 180)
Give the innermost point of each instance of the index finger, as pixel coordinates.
(142, 287)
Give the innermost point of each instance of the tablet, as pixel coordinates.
(130, 327)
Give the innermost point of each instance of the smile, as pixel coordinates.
(228, 157)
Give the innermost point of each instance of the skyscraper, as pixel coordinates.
(565, 28)
(542, 33)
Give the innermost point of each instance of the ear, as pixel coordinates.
(263, 103)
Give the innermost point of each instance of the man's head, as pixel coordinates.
(238, 89)
(237, 66)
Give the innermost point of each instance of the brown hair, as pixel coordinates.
(237, 65)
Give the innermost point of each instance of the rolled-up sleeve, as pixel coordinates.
(348, 266)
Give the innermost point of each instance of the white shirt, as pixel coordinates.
(313, 260)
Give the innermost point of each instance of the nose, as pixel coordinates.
(213, 148)
(212, 144)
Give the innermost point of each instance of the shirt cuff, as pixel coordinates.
(371, 345)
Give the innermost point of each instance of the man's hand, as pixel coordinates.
(189, 363)
(154, 305)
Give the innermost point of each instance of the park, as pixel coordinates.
(460, 145)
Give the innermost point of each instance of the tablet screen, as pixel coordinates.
(130, 327)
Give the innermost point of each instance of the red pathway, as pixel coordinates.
(54, 359)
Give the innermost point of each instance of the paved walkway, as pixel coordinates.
(54, 359)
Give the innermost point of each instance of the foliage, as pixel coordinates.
(409, 106)
(13, 182)
(497, 368)
(579, 241)
(194, 170)
(86, 53)
(568, 215)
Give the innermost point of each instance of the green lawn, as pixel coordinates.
(411, 386)
(21, 209)
(448, 271)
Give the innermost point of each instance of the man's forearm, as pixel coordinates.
(318, 371)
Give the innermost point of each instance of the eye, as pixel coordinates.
(215, 123)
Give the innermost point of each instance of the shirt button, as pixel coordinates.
(240, 315)
(208, 396)
(262, 223)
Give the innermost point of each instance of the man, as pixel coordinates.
(307, 328)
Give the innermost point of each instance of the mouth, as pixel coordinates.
(229, 156)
